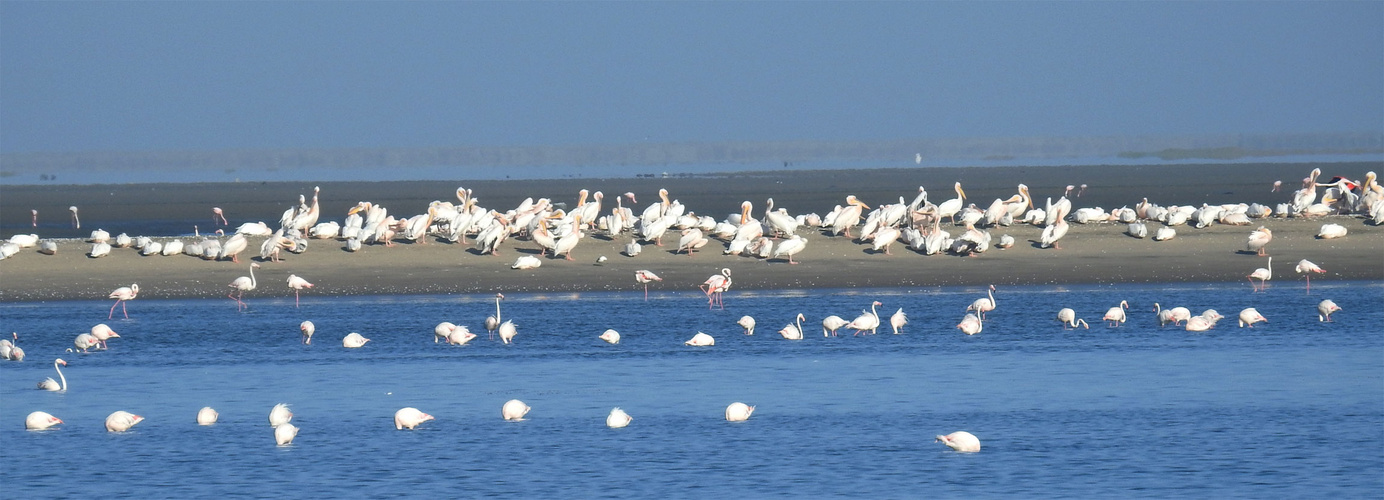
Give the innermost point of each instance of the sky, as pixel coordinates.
(131, 76)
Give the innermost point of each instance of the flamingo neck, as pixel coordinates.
(253, 284)
(60, 375)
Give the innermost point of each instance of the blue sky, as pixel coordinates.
(83, 76)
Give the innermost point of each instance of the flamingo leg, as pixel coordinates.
(646, 292)
(1309, 283)
(295, 298)
(112, 314)
(123, 311)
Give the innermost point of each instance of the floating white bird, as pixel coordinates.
(122, 421)
(1325, 308)
(410, 418)
(971, 324)
(51, 385)
(514, 410)
(38, 421)
(1250, 316)
(794, 331)
(700, 340)
(610, 337)
(207, 416)
(961, 441)
(279, 415)
(738, 412)
(747, 323)
(618, 418)
(353, 340)
(284, 434)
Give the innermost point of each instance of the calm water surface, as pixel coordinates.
(1294, 408)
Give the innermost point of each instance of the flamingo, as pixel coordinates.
(961, 441)
(284, 434)
(76, 221)
(122, 421)
(279, 415)
(618, 418)
(217, 217)
(1250, 316)
(1305, 266)
(1325, 308)
(898, 320)
(442, 331)
(700, 340)
(794, 331)
(353, 340)
(121, 295)
(1068, 318)
(241, 285)
(85, 341)
(492, 323)
(514, 410)
(49, 384)
(297, 284)
(866, 320)
(738, 412)
(410, 417)
(207, 416)
(832, 323)
(643, 277)
(460, 335)
(507, 331)
(971, 324)
(7, 347)
(38, 421)
(35, 218)
(1263, 274)
(1116, 315)
(307, 328)
(715, 286)
(103, 333)
(982, 306)
(610, 336)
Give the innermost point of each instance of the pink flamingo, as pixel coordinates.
(216, 214)
(714, 287)
(121, 295)
(297, 284)
(644, 276)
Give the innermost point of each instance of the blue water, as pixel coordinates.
(1290, 409)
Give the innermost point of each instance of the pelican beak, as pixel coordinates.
(962, 192)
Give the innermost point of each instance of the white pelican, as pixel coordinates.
(122, 421)
(692, 239)
(644, 277)
(1137, 230)
(950, 207)
(1305, 266)
(971, 324)
(100, 249)
(410, 418)
(1116, 315)
(514, 410)
(567, 242)
(781, 223)
(460, 335)
(297, 284)
(38, 421)
(738, 412)
(207, 416)
(1056, 229)
(507, 331)
(121, 295)
(984, 305)
(102, 332)
(1068, 318)
(51, 247)
(794, 331)
(885, 237)
(1325, 308)
(610, 336)
(307, 328)
(633, 248)
(1164, 233)
(1258, 239)
(353, 340)
(961, 441)
(618, 418)
(700, 340)
(832, 323)
(284, 434)
(174, 247)
(747, 323)
(898, 320)
(49, 384)
(279, 415)
(848, 216)
(232, 248)
(1330, 231)
(241, 285)
(1263, 274)
(715, 286)
(1250, 316)
(526, 262)
(866, 320)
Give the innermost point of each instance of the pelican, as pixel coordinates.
(526, 262)
(633, 248)
(1058, 227)
(950, 207)
(961, 441)
(1068, 318)
(1305, 266)
(232, 248)
(738, 412)
(794, 331)
(848, 216)
(38, 421)
(279, 415)
(898, 320)
(514, 410)
(241, 285)
(747, 323)
(122, 421)
(1325, 308)
(610, 336)
(1116, 315)
(715, 286)
(1331, 231)
(1164, 234)
(984, 305)
(1263, 274)
(568, 242)
(100, 249)
(1250, 316)
(121, 295)
(832, 323)
(866, 320)
(618, 418)
(102, 332)
(492, 323)
(692, 239)
(1258, 239)
(781, 223)
(51, 385)
(353, 340)
(307, 328)
(1137, 230)
(700, 340)
(971, 324)
(410, 418)
(284, 434)
(297, 284)
(207, 416)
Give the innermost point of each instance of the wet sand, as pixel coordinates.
(1090, 254)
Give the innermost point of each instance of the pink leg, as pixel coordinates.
(295, 298)
(112, 314)
(122, 310)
